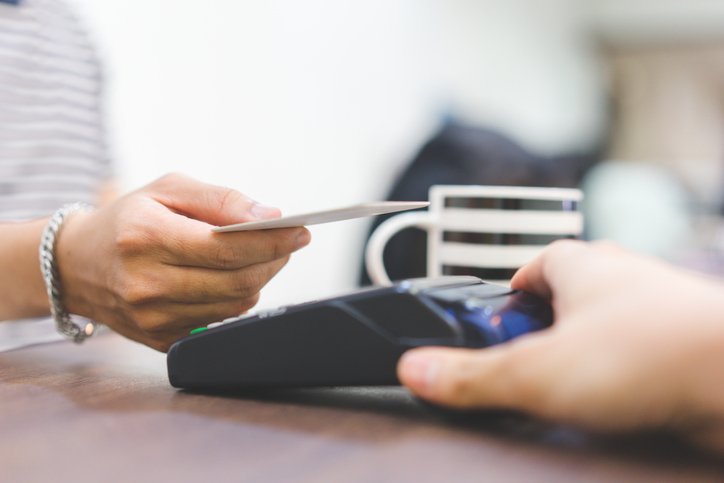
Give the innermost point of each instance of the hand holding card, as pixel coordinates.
(327, 216)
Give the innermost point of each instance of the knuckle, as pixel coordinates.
(126, 240)
(132, 294)
(460, 383)
(226, 255)
(520, 389)
(133, 237)
(275, 250)
(225, 198)
(251, 280)
(136, 291)
(456, 389)
(279, 248)
(156, 327)
(151, 323)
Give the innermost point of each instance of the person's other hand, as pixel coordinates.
(636, 344)
(148, 266)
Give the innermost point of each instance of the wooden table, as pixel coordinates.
(104, 411)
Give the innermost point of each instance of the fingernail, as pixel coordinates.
(419, 371)
(262, 212)
(303, 239)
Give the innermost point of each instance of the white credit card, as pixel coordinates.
(338, 214)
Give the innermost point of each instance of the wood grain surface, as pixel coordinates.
(104, 411)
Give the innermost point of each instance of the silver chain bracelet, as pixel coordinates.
(51, 274)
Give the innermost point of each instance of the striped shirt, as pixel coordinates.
(52, 141)
(52, 147)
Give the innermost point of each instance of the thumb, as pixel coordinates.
(212, 204)
(509, 375)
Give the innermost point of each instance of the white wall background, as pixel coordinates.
(308, 104)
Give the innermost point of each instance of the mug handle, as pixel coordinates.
(378, 240)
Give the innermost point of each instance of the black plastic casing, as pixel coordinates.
(355, 339)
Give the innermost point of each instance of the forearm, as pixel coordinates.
(22, 290)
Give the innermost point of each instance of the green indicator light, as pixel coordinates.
(200, 329)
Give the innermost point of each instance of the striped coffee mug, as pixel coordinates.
(485, 231)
